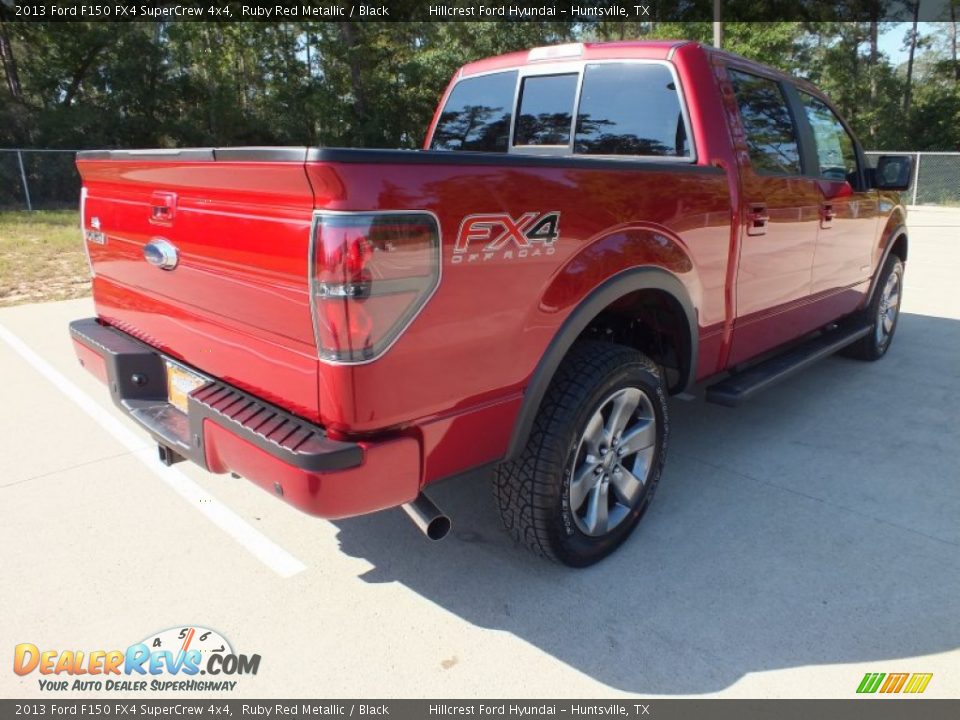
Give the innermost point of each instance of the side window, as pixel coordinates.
(835, 153)
(630, 109)
(545, 113)
(771, 134)
(477, 114)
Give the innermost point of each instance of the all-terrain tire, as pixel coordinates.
(533, 492)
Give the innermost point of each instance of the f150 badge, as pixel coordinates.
(505, 237)
(95, 235)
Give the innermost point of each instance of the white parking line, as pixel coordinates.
(255, 542)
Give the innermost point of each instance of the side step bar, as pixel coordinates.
(736, 388)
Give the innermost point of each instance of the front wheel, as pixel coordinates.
(594, 457)
(882, 312)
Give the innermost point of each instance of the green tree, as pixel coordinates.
(376, 84)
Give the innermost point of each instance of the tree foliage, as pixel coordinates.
(376, 84)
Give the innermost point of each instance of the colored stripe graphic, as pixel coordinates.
(894, 682)
(870, 682)
(918, 682)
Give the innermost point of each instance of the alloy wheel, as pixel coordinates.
(613, 461)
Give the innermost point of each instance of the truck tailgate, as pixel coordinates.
(235, 305)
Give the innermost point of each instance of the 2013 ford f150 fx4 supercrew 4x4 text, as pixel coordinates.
(588, 229)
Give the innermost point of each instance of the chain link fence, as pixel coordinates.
(45, 179)
(38, 179)
(936, 177)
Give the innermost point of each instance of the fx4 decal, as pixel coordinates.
(506, 237)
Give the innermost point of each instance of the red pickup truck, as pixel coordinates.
(588, 229)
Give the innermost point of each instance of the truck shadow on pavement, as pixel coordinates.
(815, 525)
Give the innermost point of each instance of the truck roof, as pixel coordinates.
(620, 49)
(649, 49)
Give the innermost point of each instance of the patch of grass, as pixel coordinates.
(41, 257)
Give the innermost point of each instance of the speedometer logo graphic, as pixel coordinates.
(179, 640)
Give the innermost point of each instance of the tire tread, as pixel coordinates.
(525, 488)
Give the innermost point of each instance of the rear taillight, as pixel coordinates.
(83, 229)
(371, 273)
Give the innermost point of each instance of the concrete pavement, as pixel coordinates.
(796, 543)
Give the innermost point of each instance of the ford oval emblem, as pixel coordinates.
(161, 253)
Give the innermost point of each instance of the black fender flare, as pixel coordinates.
(615, 287)
(892, 236)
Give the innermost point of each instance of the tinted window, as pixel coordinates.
(771, 135)
(546, 110)
(477, 114)
(835, 153)
(630, 109)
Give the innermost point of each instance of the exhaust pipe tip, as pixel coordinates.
(428, 517)
(438, 528)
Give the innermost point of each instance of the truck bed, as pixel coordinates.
(237, 306)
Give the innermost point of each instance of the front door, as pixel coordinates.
(849, 215)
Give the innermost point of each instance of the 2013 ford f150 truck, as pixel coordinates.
(588, 229)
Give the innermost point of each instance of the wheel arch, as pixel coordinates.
(617, 287)
(896, 243)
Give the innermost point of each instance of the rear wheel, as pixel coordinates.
(883, 313)
(594, 457)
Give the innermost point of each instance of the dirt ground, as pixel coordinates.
(41, 257)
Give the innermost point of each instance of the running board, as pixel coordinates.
(736, 388)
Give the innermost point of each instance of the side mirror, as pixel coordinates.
(893, 172)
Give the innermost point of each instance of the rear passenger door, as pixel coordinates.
(779, 217)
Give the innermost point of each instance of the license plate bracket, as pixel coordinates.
(180, 383)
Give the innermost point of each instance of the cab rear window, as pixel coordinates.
(546, 110)
(630, 109)
(605, 108)
(477, 115)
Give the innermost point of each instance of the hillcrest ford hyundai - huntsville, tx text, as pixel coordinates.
(588, 229)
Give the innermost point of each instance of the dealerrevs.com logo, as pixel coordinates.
(170, 660)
